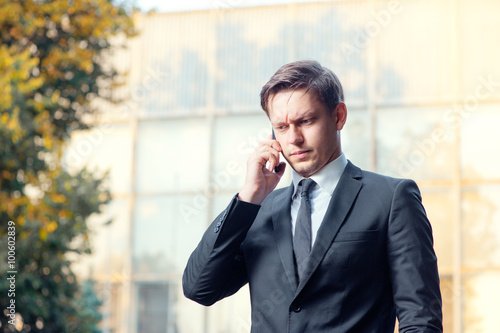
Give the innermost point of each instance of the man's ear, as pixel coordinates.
(340, 115)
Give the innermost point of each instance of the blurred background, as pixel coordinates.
(126, 131)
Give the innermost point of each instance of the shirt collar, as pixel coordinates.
(327, 178)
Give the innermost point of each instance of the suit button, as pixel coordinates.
(295, 308)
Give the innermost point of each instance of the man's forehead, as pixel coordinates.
(288, 93)
(291, 105)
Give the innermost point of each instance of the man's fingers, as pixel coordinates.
(265, 149)
(271, 159)
(270, 143)
(264, 171)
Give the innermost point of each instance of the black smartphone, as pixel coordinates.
(276, 168)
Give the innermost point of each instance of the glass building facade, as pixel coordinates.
(422, 86)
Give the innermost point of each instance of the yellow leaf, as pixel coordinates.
(48, 145)
(52, 226)
(59, 198)
(55, 96)
(5, 118)
(43, 234)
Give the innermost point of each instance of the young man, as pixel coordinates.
(340, 249)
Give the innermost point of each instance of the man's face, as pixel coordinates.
(306, 130)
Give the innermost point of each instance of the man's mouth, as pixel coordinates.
(300, 154)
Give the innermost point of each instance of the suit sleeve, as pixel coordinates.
(413, 263)
(216, 268)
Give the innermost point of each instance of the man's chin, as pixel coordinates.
(304, 169)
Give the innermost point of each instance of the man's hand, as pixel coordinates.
(260, 181)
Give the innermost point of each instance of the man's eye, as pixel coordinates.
(307, 121)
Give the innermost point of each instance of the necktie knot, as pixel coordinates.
(307, 185)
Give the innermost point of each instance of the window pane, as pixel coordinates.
(172, 155)
(479, 143)
(166, 231)
(481, 302)
(478, 47)
(173, 67)
(112, 295)
(153, 309)
(189, 315)
(356, 138)
(106, 147)
(481, 227)
(415, 143)
(246, 58)
(343, 26)
(420, 70)
(439, 207)
(109, 242)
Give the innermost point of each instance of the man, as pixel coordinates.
(340, 249)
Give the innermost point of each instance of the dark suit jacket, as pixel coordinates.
(373, 259)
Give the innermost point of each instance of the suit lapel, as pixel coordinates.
(283, 232)
(342, 199)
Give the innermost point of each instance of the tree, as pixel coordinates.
(52, 66)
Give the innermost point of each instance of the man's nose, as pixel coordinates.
(295, 135)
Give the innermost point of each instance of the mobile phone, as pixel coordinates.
(276, 168)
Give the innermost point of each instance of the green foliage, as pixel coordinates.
(51, 68)
(89, 305)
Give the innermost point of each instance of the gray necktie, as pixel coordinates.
(302, 238)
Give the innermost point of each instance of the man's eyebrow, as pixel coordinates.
(307, 114)
(278, 123)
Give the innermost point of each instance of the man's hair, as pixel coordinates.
(308, 74)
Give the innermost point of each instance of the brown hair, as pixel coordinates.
(301, 74)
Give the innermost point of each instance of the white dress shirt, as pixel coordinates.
(320, 195)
